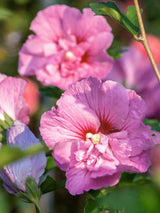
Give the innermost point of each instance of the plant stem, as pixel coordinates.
(38, 208)
(144, 41)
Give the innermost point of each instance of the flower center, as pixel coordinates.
(69, 55)
(95, 138)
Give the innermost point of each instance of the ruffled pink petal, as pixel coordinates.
(28, 64)
(63, 154)
(71, 18)
(12, 102)
(79, 180)
(109, 100)
(71, 121)
(95, 25)
(47, 23)
(127, 147)
(100, 43)
(2, 77)
(137, 109)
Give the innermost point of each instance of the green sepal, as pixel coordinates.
(24, 197)
(32, 189)
(32, 194)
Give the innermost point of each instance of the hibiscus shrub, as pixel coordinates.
(103, 126)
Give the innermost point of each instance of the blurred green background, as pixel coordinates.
(15, 19)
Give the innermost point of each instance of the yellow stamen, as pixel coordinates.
(69, 55)
(95, 138)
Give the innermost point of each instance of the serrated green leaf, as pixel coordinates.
(153, 123)
(50, 185)
(11, 154)
(128, 21)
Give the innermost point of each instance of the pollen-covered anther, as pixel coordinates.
(95, 138)
(69, 55)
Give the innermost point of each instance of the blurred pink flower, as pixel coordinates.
(96, 133)
(136, 72)
(11, 99)
(14, 175)
(154, 43)
(67, 46)
(32, 96)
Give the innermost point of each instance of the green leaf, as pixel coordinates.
(116, 53)
(132, 15)
(51, 91)
(50, 164)
(137, 199)
(128, 21)
(91, 206)
(10, 154)
(124, 199)
(153, 123)
(50, 185)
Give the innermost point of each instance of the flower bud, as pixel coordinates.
(15, 174)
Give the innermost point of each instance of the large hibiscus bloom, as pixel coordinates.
(67, 46)
(96, 133)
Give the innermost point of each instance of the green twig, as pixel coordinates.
(142, 38)
(38, 208)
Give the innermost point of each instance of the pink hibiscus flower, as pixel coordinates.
(11, 99)
(136, 72)
(96, 133)
(67, 46)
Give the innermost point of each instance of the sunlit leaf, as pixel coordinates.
(128, 21)
(11, 154)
